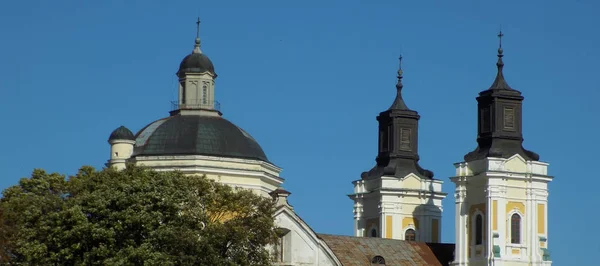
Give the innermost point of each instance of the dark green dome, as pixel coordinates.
(121, 133)
(196, 135)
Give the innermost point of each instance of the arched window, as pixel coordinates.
(478, 229)
(204, 93)
(378, 260)
(182, 84)
(515, 229)
(373, 232)
(410, 235)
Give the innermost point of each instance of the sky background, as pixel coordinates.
(307, 79)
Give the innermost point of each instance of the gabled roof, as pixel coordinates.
(359, 251)
(285, 209)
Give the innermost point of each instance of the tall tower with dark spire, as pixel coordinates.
(499, 108)
(501, 187)
(397, 198)
(398, 140)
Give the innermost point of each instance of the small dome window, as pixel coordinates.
(410, 235)
(378, 260)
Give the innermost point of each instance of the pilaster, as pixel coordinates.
(511, 186)
(398, 205)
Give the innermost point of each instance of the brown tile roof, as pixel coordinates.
(359, 251)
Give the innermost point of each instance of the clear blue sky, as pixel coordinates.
(306, 79)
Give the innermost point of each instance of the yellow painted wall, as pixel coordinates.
(511, 205)
(435, 231)
(541, 216)
(410, 220)
(388, 226)
(495, 215)
(481, 208)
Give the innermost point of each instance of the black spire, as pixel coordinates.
(398, 140)
(500, 120)
(399, 102)
(500, 82)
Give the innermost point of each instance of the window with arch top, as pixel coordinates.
(204, 94)
(478, 229)
(373, 232)
(410, 235)
(515, 229)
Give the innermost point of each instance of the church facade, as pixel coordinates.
(501, 188)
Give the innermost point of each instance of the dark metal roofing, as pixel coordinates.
(196, 135)
(500, 83)
(196, 63)
(399, 103)
(499, 131)
(359, 251)
(121, 133)
(398, 152)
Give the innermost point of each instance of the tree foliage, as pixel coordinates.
(133, 217)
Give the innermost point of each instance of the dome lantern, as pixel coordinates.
(196, 82)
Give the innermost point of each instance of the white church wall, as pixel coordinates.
(302, 246)
(499, 188)
(258, 176)
(394, 205)
(306, 248)
(120, 152)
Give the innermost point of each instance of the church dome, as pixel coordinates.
(196, 135)
(121, 133)
(196, 63)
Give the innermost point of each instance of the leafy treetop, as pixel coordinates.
(133, 217)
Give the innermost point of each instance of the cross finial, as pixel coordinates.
(500, 35)
(198, 28)
(399, 84)
(197, 41)
(399, 102)
(400, 66)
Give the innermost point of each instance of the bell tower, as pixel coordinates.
(501, 187)
(397, 198)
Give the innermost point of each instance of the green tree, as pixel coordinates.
(5, 234)
(133, 217)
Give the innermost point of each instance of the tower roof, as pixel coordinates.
(500, 82)
(399, 103)
(398, 140)
(499, 131)
(121, 133)
(196, 62)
